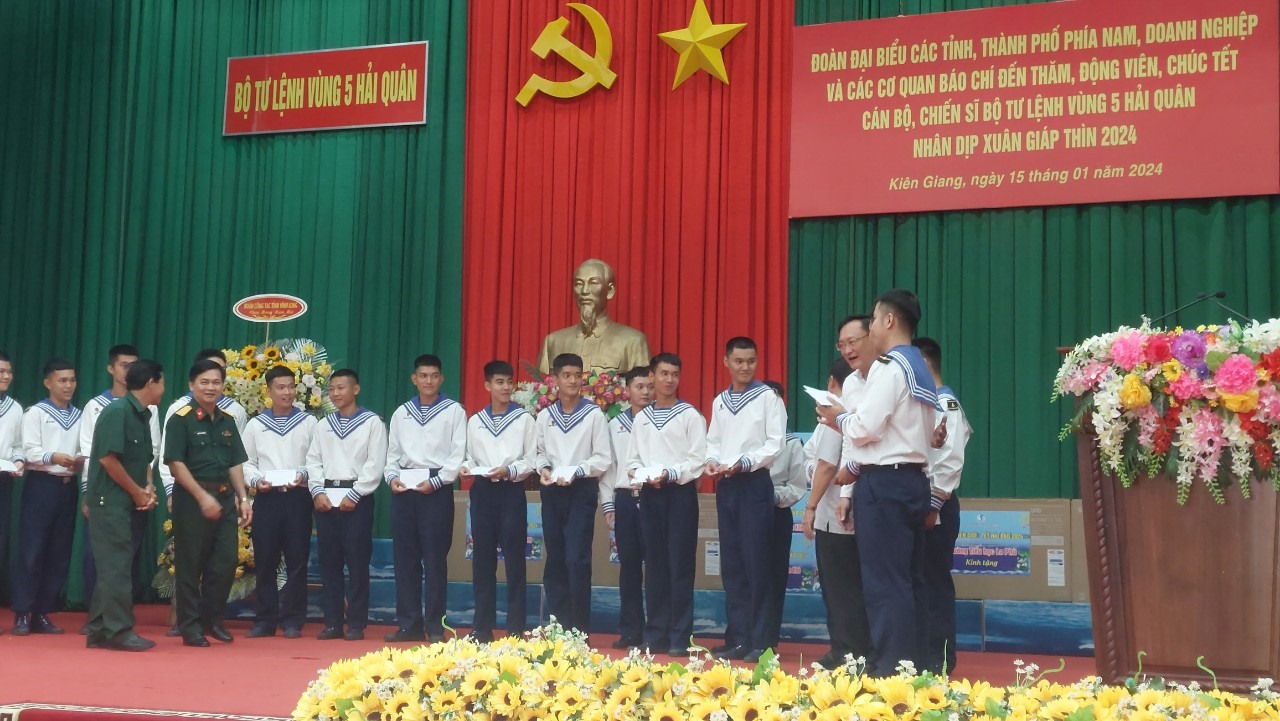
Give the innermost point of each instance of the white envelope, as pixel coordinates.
(7, 467)
(283, 477)
(646, 474)
(482, 470)
(822, 398)
(336, 495)
(414, 477)
(564, 474)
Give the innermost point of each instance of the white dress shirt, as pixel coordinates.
(619, 443)
(433, 436)
(673, 438)
(11, 430)
(345, 449)
(748, 428)
(277, 443)
(228, 404)
(89, 421)
(46, 430)
(825, 445)
(789, 478)
(507, 439)
(888, 425)
(946, 463)
(579, 438)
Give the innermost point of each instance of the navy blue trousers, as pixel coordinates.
(568, 524)
(631, 558)
(345, 538)
(744, 510)
(890, 506)
(282, 527)
(840, 573)
(669, 522)
(939, 549)
(499, 519)
(779, 571)
(6, 512)
(45, 529)
(421, 533)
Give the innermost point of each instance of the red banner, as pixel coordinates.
(1044, 104)
(327, 89)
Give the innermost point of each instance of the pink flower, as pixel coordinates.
(1236, 375)
(1187, 386)
(1127, 350)
(1269, 404)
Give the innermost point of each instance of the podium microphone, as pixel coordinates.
(1217, 301)
(1200, 298)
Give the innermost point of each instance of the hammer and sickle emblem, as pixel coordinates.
(595, 68)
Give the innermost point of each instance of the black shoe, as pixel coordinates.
(293, 633)
(737, 653)
(678, 652)
(261, 632)
(330, 633)
(831, 661)
(626, 643)
(404, 636)
(40, 623)
(754, 656)
(436, 638)
(92, 641)
(22, 624)
(717, 650)
(353, 634)
(133, 643)
(198, 641)
(219, 632)
(84, 630)
(482, 636)
(173, 632)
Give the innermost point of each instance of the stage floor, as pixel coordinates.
(265, 677)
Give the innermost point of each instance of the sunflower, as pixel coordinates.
(252, 364)
(747, 708)
(369, 707)
(635, 677)
(448, 702)
(713, 683)
(900, 696)
(506, 700)
(569, 699)
(666, 711)
(405, 706)
(621, 701)
(248, 352)
(478, 682)
(705, 711)
(932, 697)
(272, 353)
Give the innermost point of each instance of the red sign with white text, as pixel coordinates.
(1046, 104)
(327, 90)
(269, 307)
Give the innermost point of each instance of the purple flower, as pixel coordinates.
(1189, 348)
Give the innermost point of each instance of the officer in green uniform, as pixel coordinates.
(203, 451)
(119, 496)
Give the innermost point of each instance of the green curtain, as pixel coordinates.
(1002, 289)
(126, 216)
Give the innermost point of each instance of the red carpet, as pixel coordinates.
(261, 677)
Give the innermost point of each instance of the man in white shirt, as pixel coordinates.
(51, 449)
(345, 462)
(744, 439)
(572, 454)
(276, 442)
(942, 525)
(426, 448)
(789, 485)
(10, 451)
(891, 430)
(500, 441)
(119, 358)
(226, 403)
(670, 435)
(622, 512)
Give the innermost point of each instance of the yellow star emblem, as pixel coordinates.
(699, 45)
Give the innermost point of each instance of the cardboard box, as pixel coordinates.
(1078, 558)
(1038, 572)
(460, 568)
(707, 576)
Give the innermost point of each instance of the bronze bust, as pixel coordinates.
(603, 343)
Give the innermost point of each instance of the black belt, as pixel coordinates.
(340, 483)
(215, 486)
(893, 467)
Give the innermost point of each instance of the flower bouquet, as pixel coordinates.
(245, 580)
(553, 674)
(1195, 403)
(603, 388)
(309, 361)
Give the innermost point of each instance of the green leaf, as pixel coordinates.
(763, 667)
(921, 681)
(1081, 714)
(508, 678)
(344, 706)
(1209, 701)
(995, 710)
(933, 715)
(677, 669)
(1214, 359)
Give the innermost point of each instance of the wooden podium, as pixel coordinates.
(1179, 582)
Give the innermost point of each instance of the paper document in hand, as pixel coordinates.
(647, 474)
(283, 477)
(822, 398)
(482, 470)
(7, 467)
(414, 477)
(564, 474)
(336, 495)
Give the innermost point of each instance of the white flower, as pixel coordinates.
(309, 381)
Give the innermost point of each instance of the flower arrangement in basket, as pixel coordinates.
(603, 388)
(1195, 403)
(309, 361)
(245, 580)
(554, 674)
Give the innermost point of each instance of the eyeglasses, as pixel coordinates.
(849, 343)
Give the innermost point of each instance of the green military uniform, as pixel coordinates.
(205, 552)
(124, 429)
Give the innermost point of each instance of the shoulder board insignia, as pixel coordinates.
(953, 405)
(182, 411)
(883, 359)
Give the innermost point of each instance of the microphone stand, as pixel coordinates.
(1200, 298)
